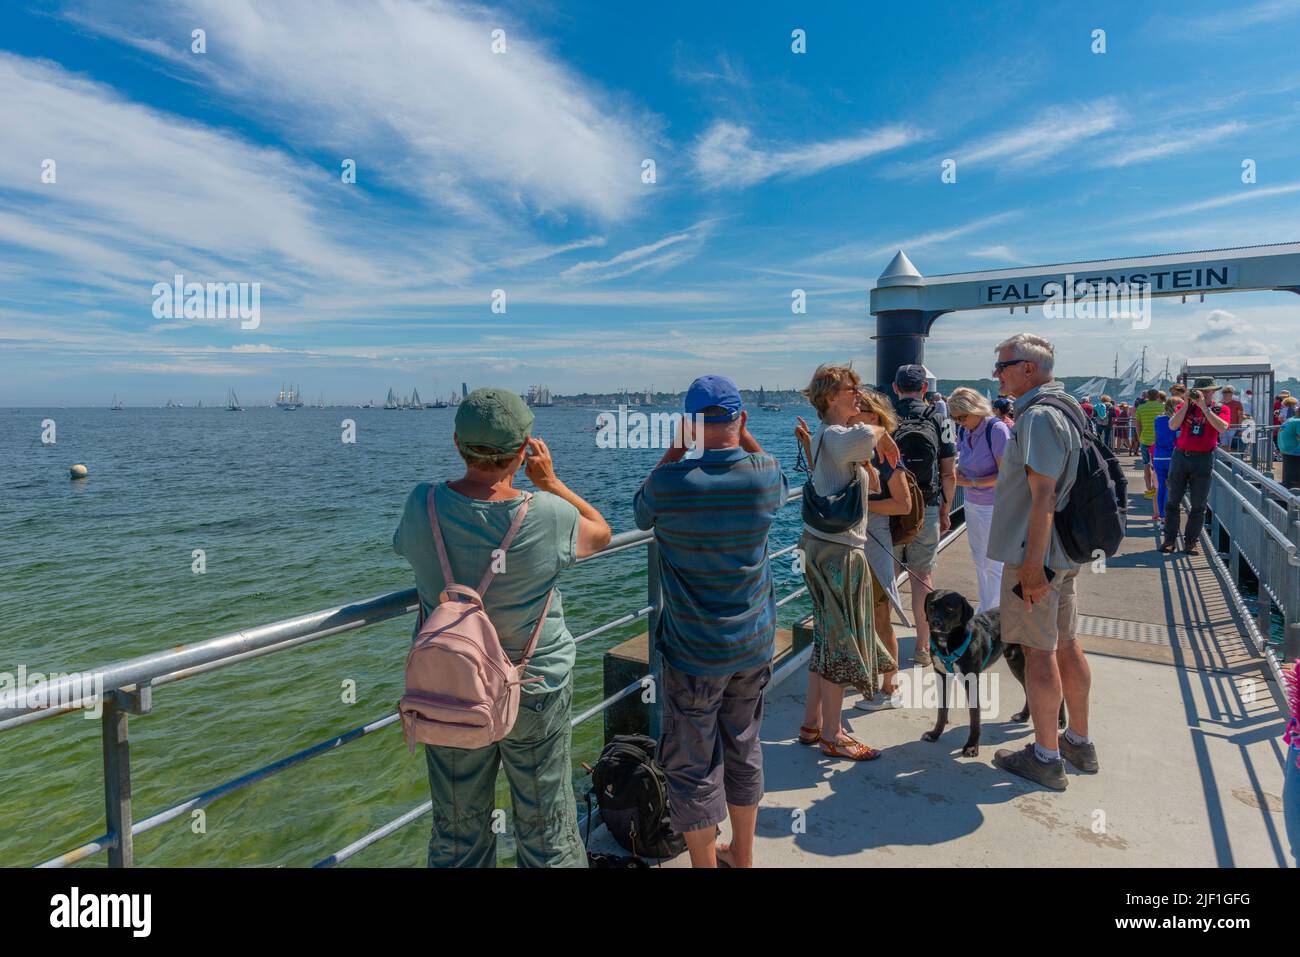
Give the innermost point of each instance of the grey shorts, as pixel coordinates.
(920, 553)
(709, 745)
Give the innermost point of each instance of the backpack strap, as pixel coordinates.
(1072, 415)
(437, 539)
(532, 641)
(506, 542)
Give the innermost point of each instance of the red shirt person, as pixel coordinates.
(1190, 469)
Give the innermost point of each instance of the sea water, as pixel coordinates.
(288, 519)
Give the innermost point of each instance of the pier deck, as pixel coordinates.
(1186, 720)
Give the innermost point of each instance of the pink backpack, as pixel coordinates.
(462, 690)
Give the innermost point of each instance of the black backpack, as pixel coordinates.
(1093, 516)
(919, 444)
(632, 792)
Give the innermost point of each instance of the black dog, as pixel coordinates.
(951, 619)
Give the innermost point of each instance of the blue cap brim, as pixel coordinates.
(715, 419)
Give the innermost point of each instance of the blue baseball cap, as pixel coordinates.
(713, 390)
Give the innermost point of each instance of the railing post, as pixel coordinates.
(117, 781)
(1291, 613)
(654, 594)
(117, 769)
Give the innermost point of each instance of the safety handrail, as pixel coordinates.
(125, 686)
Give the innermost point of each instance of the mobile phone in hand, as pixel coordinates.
(1047, 573)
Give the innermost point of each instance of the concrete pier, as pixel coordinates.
(1186, 720)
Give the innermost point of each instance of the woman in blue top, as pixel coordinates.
(1161, 455)
(979, 455)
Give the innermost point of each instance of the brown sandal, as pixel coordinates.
(853, 750)
(809, 736)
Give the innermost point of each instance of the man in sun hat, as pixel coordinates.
(494, 437)
(1199, 425)
(711, 511)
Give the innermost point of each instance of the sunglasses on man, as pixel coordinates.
(1006, 364)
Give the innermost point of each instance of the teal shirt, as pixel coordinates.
(471, 529)
(1288, 437)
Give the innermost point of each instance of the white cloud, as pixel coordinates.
(1245, 194)
(641, 257)
(413, 92)
(1000, 254)
(1057, 130)
(1221, 324)
(1144, 147)
(723, 156)
(870, 252)
(137, 191)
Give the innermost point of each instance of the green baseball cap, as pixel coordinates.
(494, 419)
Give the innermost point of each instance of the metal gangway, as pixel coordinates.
(1253, 537)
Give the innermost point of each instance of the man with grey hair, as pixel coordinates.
(1038, 468)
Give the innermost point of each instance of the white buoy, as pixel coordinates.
(78, 472)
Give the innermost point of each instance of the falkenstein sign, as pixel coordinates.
(1199, 278)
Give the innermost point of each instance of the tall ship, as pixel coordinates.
(288, 399)
(539, 396)
(232, 402)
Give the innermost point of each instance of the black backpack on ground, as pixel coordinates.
(1093, 516)
(632, 792)
(919, 443)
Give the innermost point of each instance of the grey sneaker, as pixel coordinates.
(1026, 765)
(922, 656)
(1082, 756)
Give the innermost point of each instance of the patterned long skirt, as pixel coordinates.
(846, 650)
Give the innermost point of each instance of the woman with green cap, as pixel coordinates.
(474, 512)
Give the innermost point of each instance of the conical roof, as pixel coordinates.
(900, 272)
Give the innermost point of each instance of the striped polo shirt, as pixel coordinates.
(711, 516)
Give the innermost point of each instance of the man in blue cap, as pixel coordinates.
(711, 510)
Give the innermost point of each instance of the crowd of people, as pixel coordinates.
(711, 512)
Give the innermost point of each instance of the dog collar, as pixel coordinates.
(949, 659)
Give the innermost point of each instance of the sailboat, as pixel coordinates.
(288, 400)
(170, 404)
(415, 400)
(117, 404)
(232, 402)
(391, 401)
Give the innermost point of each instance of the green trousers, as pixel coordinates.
(539, 768)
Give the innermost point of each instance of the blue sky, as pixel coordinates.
(523, 171)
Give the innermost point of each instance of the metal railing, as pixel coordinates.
(127, 688)
(1262, 521)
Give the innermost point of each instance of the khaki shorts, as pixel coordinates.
(1051, 619)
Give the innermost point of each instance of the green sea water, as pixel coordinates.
(291, 520)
